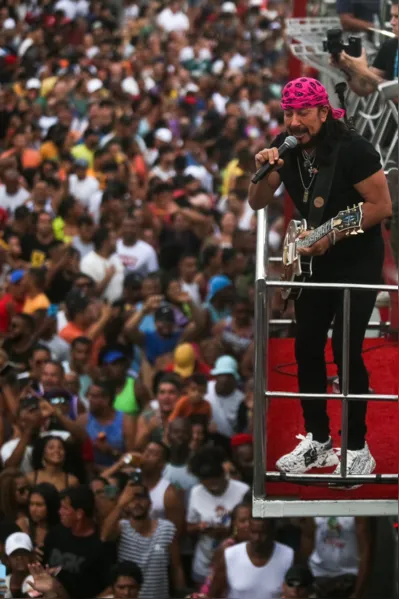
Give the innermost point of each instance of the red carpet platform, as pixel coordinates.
(285, 419)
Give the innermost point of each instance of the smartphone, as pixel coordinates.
(30, 403)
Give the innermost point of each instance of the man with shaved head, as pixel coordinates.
(12, 194)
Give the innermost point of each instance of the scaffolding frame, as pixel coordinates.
(263, 506)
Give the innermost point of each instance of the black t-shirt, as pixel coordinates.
(34, 251)
(85, 561)
(356, 258)
(385, 59)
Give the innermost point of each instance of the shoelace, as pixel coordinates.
(302, 438)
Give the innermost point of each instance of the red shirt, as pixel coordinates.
(4, 312)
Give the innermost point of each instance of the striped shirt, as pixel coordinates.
(151, 554)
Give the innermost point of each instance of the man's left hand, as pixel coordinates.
(317, 249)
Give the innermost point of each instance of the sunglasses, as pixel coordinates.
(23, 490)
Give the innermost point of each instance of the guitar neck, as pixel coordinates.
(315, 235)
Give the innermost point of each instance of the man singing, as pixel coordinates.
(358, 177)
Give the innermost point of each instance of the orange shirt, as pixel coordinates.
(71, 332)
(184, 408)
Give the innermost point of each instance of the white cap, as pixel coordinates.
(129, 86)
(192, 88)
(255, 3)
(9, 24)
(18, 540)
(217, 67)
(94, 85)
(186, 53)
(229, 8)
(149, 84)
(163, 135)
(33, 84)
(269, 14)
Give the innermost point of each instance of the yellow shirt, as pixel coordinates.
(49, 151)
(39, 302)
(231, 170)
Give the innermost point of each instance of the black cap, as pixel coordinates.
(165, 314)
(299, 576)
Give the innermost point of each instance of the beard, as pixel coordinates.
(314, 139)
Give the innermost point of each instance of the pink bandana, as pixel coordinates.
(307, 93)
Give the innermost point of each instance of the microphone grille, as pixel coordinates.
(291, 142)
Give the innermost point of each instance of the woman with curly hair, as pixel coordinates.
(50, 465)
(14, 494)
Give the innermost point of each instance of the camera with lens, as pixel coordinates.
(334, 44)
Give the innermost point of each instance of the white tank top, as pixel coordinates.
(246, 581)
(336, 551)
(157, 495)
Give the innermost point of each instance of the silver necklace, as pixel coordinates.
(308, 161)
(306, 188)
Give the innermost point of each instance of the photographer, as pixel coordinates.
(364, 80)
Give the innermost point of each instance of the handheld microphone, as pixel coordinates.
(289, 144)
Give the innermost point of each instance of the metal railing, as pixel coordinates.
(262, 506)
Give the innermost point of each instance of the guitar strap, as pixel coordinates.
(321, 190)
(320, 194)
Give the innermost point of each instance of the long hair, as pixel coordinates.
(8, 494)
(51, 498)
(332, 131)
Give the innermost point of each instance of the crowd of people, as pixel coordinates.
(128, 132)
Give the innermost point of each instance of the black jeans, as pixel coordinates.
(315, 310)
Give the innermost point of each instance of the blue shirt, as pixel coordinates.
(113, 435)
(155, 345)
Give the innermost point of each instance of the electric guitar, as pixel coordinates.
(299, 268)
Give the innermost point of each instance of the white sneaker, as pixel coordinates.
(383, 300)
(308, 454)
(358, 463)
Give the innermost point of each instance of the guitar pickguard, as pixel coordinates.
(295, 266)
(299, 268)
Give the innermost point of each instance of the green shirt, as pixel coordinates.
(126, 401)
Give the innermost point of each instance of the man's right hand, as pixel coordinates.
(348, 63)
(269, 155)
(126, 496)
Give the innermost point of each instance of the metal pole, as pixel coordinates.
(260, 375)
(290, 321)
(345, 380)
(350, 397)
(309, 285)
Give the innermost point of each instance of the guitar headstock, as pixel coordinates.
(350, 220)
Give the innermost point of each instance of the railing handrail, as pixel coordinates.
(262, 395)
